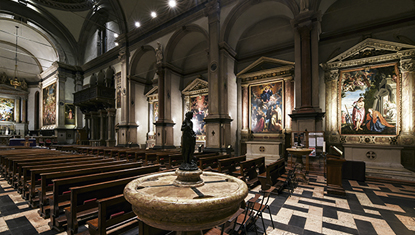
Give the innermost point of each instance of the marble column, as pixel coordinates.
(164, 124)
(88, 124)
(407, 69)
(78, 81)
(307, 113)
(60, 98)
(102, 116)
(17, 110)
(218, 130)
(123, 126)
(24, 101)
(111, 127)
(331, 77)
(245, 111)
(94, 128)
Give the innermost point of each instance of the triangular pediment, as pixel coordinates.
(370, 48)
(265, 65)
(197, 86)
(153, 92)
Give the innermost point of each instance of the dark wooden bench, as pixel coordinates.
(35, 178)
(211, 162)
(25, 165)
(61, 188)
(115, 213)
(84, 205)
(250, 169)
(274, 176)
(77, 178)
(231, 165)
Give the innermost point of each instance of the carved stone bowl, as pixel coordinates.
(159, 203)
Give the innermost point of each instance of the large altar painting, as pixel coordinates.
(49, 105)
(69, 114)
(6, 109)
(266, 108)
(199, 107)
(369, 100)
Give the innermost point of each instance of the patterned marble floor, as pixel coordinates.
(368, 208)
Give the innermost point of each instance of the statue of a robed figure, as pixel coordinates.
(188, 144)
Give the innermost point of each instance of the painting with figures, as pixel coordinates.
(199, 107)
(6, 109)
(69, 114)
(49, 105)
(369, 100)
(266, 108)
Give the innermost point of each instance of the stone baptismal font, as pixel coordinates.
(188, 199)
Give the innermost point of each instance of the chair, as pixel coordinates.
(227, 227)
(262, 205)
(245, 219)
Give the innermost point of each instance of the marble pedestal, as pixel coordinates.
(381, 161)
(269, 150)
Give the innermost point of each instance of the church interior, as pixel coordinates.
(317, 95)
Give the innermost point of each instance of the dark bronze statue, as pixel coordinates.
(188, 144)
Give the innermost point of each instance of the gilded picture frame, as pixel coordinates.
(266, 108)
(369, 100)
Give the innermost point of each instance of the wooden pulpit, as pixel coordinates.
(334, 174)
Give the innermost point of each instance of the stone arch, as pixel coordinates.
(143, 63)
(188, 44)
(239, 16)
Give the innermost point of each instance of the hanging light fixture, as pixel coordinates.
(15, 82)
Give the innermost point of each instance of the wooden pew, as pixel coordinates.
(11, 168)
(250, 169)
(24, 165)
(273, 176)
(61, 187)
(231, 165)
(35, 178)
(84, 200)
(175, 160)
(211, 162)
(114, 212)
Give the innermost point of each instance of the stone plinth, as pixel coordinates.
(269, 150)
(381, 160)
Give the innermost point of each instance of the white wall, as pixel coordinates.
(31, 107)
(177, 108)
(141, 113)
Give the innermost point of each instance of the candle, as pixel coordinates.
(324, 146)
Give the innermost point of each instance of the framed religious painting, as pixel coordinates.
(266, 106)
(69, 114)
(369, 100)
(6, 109)
(199, 107)
(49, 105)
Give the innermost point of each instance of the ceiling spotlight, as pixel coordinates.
(172, 3)
(137, 24)
(153, 14)
(115, 35)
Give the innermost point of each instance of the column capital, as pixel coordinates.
(407, 64)
(212, 8)
(331, 75)
(306, 18)
(62, 77)
(122, 55)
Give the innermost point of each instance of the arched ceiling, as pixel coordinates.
(35, 52)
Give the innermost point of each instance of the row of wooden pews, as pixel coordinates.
(83, 184)
(68, 187)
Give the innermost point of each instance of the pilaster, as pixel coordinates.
(407, 69)
(111, 127)
(164, 124)
(78, 81)
(307, 113)
(218, 128)
(61, 80)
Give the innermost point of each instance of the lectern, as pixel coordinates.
(334, 173)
